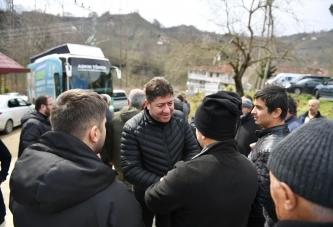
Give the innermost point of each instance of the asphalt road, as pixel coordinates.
(12, 142)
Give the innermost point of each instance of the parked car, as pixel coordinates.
(12, 109)
(24, 97)
(305, 86)
(282, 78)
(119, 100)
(324, 90)
(296, 79)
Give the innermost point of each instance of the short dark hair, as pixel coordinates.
(158, 87)
(178, 105)
(291, 105)
(274, 97)
(180, 97)
(41, 100)
(76, 110)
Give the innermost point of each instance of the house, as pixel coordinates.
(209, 79)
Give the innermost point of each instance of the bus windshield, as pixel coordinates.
(91, 74)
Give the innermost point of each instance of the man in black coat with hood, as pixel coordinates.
(60, 181)
(246, 133)
(218, 186)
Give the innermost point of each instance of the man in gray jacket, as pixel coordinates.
(153, 142)
(114, 128)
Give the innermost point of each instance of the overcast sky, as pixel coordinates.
(314, 14)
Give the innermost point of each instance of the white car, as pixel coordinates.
(24, 97)
(12, 109)
(119, 100)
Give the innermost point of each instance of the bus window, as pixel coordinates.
(57, 84)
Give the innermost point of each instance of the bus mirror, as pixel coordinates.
(117, 71)
(68, 68)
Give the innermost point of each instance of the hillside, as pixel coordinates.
(141, 49)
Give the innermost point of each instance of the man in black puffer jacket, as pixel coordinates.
(153, 142)
(35, 122)
(270, 110)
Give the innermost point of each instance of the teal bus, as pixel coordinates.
(70, 66)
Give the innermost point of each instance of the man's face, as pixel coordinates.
(102, 133)
(48, 106)
(245, 110)
(313, 107)
(261, 115)
(198, 135)
(161, 108)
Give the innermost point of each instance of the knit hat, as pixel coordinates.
(304, 161)
(246, 102)
(218, 115)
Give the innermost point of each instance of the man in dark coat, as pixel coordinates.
(218, 186)
(302, 177)
(35, 122)
(114, 128)
(270, 110)
(246, 133)
(153, 141)
(5, 158)
(66, 184)
(312, 113)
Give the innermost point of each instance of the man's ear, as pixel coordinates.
(147, 104)
(290, 202)
(93, 134)
(277, 112)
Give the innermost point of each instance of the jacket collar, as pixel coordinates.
(226, 146)
(301, 224)
(280, 128)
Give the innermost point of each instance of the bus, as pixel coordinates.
(70, 66)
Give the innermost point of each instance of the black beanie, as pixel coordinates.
(304, 161)
(218, 115)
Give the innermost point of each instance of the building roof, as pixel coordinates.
(214, 69)
(8, 65)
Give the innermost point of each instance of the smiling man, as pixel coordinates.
(153, 141)
(270, 110)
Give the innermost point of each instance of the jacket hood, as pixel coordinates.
(127, 112)
(34, 114)
(62, 172)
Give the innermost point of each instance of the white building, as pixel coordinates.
(209, 79)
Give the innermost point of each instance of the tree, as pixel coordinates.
(243, 22)
(262, 72)
(331, 9)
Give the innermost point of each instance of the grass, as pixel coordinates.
(326, 107)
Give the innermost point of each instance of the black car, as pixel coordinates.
(324, 90)
(305, 86)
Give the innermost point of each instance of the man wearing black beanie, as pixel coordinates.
(301, 172)
(270, 110)
(218, 186)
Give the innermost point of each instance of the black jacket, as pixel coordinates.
(303, 116)
(5, 158)
(34, 124)
(267, 140)
(215, 188)
(302, 224)
(246, 134)
(60, 181)
(149, 149)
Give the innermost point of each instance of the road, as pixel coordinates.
(12, 142)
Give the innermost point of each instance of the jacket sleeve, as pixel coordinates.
(191, 147)
(5, 158)
(30, 134)
(168, 195)
(131, 161)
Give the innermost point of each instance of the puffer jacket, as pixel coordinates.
(149, 149)
(267, 140)
(34, 124)
(60, 181)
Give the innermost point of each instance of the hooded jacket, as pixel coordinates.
(34, 124)
(114, 129)
(60, 181)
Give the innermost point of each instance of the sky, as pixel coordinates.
(313, 15)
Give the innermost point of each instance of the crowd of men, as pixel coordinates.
(237, 164)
